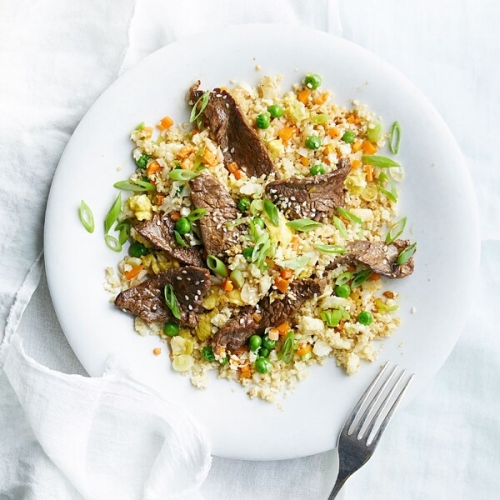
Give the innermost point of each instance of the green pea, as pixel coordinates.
(312, 81)
(171, 329)
(343, 290)
(244, 204)
(264, 352)
(208, 354)
(254, 342)
(263, 365)
(183, 225)
(348, 137)
(313, 142)
(275, 111)
(259, 222)
(137, 249)
(263, 120)
(142, 161)
(247, 253)
(365, 318)
(317, 169)
(268, 343)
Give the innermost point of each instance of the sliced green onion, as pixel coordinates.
(395, 138)
(179, 174)
(391, 194)
(171, 301)
(286, 352)
(343, 278)
(237, 278)
(296, 263)
(304, 225)
(256, 207)
(197, 214)
(406, 254)
(319, 119)
(235, 222)
(217, 266)
(134, 185)
(180, 240)
(339, 224)
(331, 318)
(360, 277)
(114, 212)
(330, 249)
(272, 212)
(198, 158)
(383, 307)
(375, 133)
(86, 217)
(349, 216)
(379, 161)
(261, 249)
(396, 230)
(140, 126)
(124, 231)
(142, 161)
(112, 243)
(203, 99)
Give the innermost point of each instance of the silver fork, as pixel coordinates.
(366, 423)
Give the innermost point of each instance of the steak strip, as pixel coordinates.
(314, 197)
(190, 285)
(160, 232)
(238, 330)
(238, 141)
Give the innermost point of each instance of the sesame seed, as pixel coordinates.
(179, 278)
(186, 297)
(190, 307)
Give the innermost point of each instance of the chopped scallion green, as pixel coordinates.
(197, 214)
(297, 263)
(406, 254)
(343, 278)
(180, 241)
(332, 318)
(217, 266)
(114, 212)
(396, 230)
(349, 216)
(379, 161)
(171, 301)
(286, 352)
(86, 217)
(360, 277)
(330, 249)
(304, 225)
(272, 212)
(112, 243)
(339, 224)
(199, 106)
(182, 175)
(134, 185)
(395, 138)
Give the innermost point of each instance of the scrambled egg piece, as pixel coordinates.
(141, 206)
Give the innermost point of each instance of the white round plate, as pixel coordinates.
(436, 196)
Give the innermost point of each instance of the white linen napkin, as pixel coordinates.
(67, 436)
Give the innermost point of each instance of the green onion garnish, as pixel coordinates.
(304, 225)
(195, 114)
(182, 175)
(296, 263)
(124, 231)
(256, 207)
(217, 266)
(330, 249)
(113, 213)
(339, 224)
(343, 278)
(137, 186)
(86, 217)
(396, 230)
(180, 240)
(379, 161)
(286, 353)
(383, 307)
(319, 119)
(332, 318)
(349, 216)
(272, 212)
(237, 278)
(261, 249)
(112, 243)
(406, 254)
(140, 126)
(197, 214)
(142, 161)
(171, 301)
(360, 277)
(375, 133)
(198, 158)
(395, 138)
(391, 194)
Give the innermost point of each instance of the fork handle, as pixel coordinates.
(341, 479)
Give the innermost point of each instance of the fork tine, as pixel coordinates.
(373, 441)
(363, 399)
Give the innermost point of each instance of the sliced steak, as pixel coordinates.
(207, 192)
(238, 330)
(160, 232)
(190, 285)
(312, 197)
(237, 139)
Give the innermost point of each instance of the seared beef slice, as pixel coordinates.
(314, 197)
(190, 285)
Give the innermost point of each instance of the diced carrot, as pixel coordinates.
(209, 158)
(351, 267)
(304, 161)
(159, 199)
(184, 152)
(326, 160)
(322, 98)
(153, 167)
(157, 351)
(343, 219)
(133, 272)
(194, 131)
(350, 118)
(286, 274)
(256, 317)
(295, 243)
(284, 328)
(304, 349)
(369, 173)
(357, 146)
(227, 285)
(238, 175)
(355, 164)
(165, 122)
(245, 371)
(281, 284)
(175, 216)
(232, 167)
(369, 148)
(303, 96)
(374, 277)
(333, 132)
(340, 326)
(285, 134)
